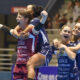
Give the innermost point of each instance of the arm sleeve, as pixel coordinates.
(34, 21)
(37, 25)
(6, 29)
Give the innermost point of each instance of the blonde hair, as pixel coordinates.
(74, 37)
(64, 27)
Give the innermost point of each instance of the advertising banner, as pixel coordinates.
(47, 73)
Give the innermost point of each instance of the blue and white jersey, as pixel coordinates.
(65, 64)
(54, 49)
(34, 21)
(43, 45)
(78, 56)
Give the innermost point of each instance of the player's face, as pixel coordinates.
(21, 20)
(66, 33)
(77, 30)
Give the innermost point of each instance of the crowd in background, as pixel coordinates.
(69, 16)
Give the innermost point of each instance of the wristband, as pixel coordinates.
(38, 26)
(35, 31)
(11, 31)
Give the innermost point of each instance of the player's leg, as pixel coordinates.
(35, 61)
(20, 72)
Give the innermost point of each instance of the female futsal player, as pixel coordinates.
(76, 49)
(65, 56)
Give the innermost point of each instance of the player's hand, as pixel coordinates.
(56, 42)
(44, 16)
(23, 35)
(44, 13)
(1, 25)
(62, 47)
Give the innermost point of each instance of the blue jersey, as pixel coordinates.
(78, 56)
(65, 64)
(54, 49)
(76, 69)
(43, 45)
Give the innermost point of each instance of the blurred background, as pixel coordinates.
(60, 12)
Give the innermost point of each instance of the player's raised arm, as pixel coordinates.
(43, 19)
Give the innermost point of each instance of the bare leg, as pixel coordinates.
(35, 61)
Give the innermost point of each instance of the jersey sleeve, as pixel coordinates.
(34, 21)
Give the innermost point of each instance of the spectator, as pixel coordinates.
(76, 10)
(56, 21)
(63, 20)
(70, 22)
(78, 19)
(48, 23)
(70, 6)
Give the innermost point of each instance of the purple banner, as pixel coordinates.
(47, 73)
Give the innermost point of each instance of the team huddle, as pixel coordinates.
(34, 50)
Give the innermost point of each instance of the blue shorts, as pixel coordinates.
(46, 51)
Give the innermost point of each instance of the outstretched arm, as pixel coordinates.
(35, 29)
(43, 19)
(10, 31)
(5, 28)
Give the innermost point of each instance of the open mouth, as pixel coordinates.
(65, 36)
(18, 22)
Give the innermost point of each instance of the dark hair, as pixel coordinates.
(36, 10)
